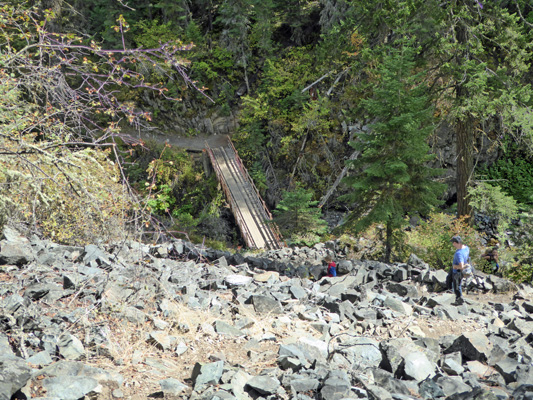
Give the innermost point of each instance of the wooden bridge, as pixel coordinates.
(249, 209)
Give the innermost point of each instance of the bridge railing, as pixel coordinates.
(274, 228)
(248, 238)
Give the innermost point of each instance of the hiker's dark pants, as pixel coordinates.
(457, 277)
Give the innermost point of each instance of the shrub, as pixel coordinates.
(490, 200)
(77, 199)
(521, 268)
(431, 239)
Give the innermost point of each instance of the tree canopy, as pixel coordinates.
(299, 79)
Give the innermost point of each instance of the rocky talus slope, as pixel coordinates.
(172, 321)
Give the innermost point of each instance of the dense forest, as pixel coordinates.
(408, 118)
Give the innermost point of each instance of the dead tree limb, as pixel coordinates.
(337, 81)
(300, 156)
(315, 82)
(354, 155)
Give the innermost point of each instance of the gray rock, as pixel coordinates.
(387, 381)
(238, 280)
(418, 367)
(451, 363)
(304, 384)
(523, 392)
(75, 368)
(430, 390)
(12, 303)
(367, 314)
(224, 328)
(263, 384)
(40, 359)
(378, 392)
(472, 345)
(5, 347)
(15, 253)
(395, 351)
(207, 374)
(238, 383)
(441, 300)
(336, 386)
(345, 267)
(402, 290)
(39, 290)
(524, 375)
(134, 315)
(14, 374)
(161, 339)
(335, 287)
(115, 293)
(93, 253)
(398, 305)
(70, 347)
(508, 368)
(69, 387)
(72, 280)
(172, 387)
(415, 261)
(291, 356)
(528, 306)
(266, 305)
(452, 385)
(521, 326)
(500, 285)
(400, 274)
(298, 292)
(89, 271)
(362, 352)
(314, 349)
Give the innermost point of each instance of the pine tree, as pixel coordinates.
(234, 18)
(391, 177)
(298, 218)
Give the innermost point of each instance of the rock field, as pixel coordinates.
(175, 321)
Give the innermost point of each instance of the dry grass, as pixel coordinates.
(136, 358)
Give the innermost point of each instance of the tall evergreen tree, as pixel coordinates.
(483, 52)
(391, 177)
(478, 57)
(234, 18)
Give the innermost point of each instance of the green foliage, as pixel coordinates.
(298, 218)
(258, 177)
(391, 176)
(514, 175)
(490, 200)
(521, 268)
(431, 239)
(175, 188)
(151, 33)
(170, 181)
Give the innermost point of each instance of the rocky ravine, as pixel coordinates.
(172, 321)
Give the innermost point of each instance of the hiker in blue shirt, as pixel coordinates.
(460, 261)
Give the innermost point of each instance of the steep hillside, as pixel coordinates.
(176, 321)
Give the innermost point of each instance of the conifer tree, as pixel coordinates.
(298, 218)
(391, 177)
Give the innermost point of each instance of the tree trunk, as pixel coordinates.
(464, 130)
(388, 241)
(465, 164)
